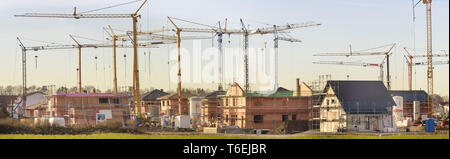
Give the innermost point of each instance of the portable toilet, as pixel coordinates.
(429, 125)
(195, 104)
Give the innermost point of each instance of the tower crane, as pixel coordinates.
(80, 89)
(219, 32)
(54, 47)
(133, 16)
(160, 39)
(271, 30)
(429, 52)
(363, 64)
(246, 33)
(178, 35)
(363, 53)
(115, 37)
(409, 61)
(178, 31)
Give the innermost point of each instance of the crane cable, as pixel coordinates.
(168, 57)
(88, 38)
(373, 48)
(40, 41)
(15, 64)
(194, 23)
(109, 7)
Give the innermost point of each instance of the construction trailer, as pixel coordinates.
(263, 111)
(356, 106)
(415, 103)
(84, 109)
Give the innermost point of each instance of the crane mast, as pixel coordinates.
(178, 31)
(219, 47)
(24, 78)
(245, 46)
(275, 45)
(430, 56)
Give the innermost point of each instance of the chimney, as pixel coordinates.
(297, 92)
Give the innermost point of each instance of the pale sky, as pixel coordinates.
(361, 23)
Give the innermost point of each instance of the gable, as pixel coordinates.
(235, 90)
(305, 90)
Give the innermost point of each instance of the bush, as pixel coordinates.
(4, 113)
(14, 126)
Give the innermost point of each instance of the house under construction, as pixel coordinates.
(83, 108)
(260, 111)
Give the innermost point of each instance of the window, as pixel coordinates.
(284, 117)
(103, 100)
(333, 101)
(116, 100)
(258, 102)
(233, 120)
(294, 117)
(284, 102)
(328, 102)
(211, 116)
(226, 118)
(258, 118)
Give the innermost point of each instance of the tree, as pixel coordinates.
(62, 90)
(3, 112)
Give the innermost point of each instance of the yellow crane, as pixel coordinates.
(430, 85)
(133, 16)
(162, 39)
(245, 32)
(178, 31)
(409, 60)
(57, 47)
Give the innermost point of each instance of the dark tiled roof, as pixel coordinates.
(184, 95)
(153, 95)
(214, 94)
(410, 96)
(362, 97)
(281, 92)
(281, 89)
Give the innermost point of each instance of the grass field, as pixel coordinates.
(198, 136)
